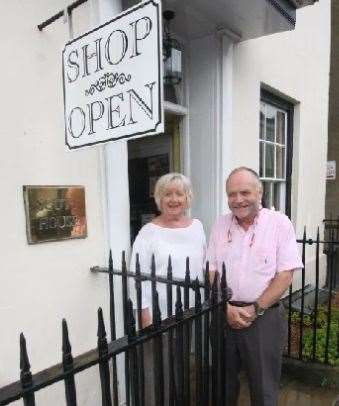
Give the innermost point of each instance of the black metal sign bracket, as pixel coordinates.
(69, 9)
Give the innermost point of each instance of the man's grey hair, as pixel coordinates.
(249, 170)
(164, 181)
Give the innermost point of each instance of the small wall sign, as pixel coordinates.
(331, 170)
(54, 213)
(112, 75)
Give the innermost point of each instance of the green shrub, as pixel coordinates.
(308, 322)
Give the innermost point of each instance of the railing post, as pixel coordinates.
(215, 342)
(124, 299)
(198, 347)
(171, 385)
(133, 367)
(67, 362)
(301, 324)
(103, 361)
(316, 299)
(330, 291)
(112, 326)
(223, 337)
(206, 382)
(187, 285)
(179, 349)
(169, 288)
(223, 284)
(207, 288)
(158, 358)
(138, 288)
(25, 374)
(157, 313)
(289, 337)
(153, 275)
(131, 330)
(187, 336)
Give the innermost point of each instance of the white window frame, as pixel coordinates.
(276, 184)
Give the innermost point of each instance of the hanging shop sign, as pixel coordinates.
(54, 213)
(112, 79)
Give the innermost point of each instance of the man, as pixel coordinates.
(258, 247)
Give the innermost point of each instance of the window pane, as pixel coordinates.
(281, 127)
(280, 162)
(269, 161)
(282, 194)
(279, 196)
(270, 123)
(261, 159)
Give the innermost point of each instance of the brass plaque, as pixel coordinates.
(54, 213)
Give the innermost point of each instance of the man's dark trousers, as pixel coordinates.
(258, 350)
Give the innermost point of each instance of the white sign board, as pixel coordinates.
(331, 170)
(113, 79)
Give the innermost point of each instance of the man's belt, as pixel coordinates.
(243, 304)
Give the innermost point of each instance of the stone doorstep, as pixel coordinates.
(311, 373)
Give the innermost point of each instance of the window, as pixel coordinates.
(275, 151)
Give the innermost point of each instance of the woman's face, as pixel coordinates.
(173, 201)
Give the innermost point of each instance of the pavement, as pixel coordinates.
(294, 393)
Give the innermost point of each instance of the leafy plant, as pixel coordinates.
(321, 334)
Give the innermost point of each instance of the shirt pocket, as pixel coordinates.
(263, 262)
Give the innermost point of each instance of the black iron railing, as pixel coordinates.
(206, 319)
(313, 318)
(313, 310)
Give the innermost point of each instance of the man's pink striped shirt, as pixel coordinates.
(253, 257)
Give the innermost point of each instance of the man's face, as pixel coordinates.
(244, 195)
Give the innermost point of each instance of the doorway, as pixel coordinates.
(148, 159)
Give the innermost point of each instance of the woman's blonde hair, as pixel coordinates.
(164, 181)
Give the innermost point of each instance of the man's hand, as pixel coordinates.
(145, 318)
(240, 317)
(212, 275)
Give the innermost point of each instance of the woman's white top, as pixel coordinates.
(161, 241)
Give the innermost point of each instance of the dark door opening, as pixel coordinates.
(148, 159)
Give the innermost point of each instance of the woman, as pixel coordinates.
(173, 233)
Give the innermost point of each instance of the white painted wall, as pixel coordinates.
(41, 284)
(115, 197)
(204, 104)
(296, 64)
(224, 100)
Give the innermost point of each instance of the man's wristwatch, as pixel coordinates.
(259, 311)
